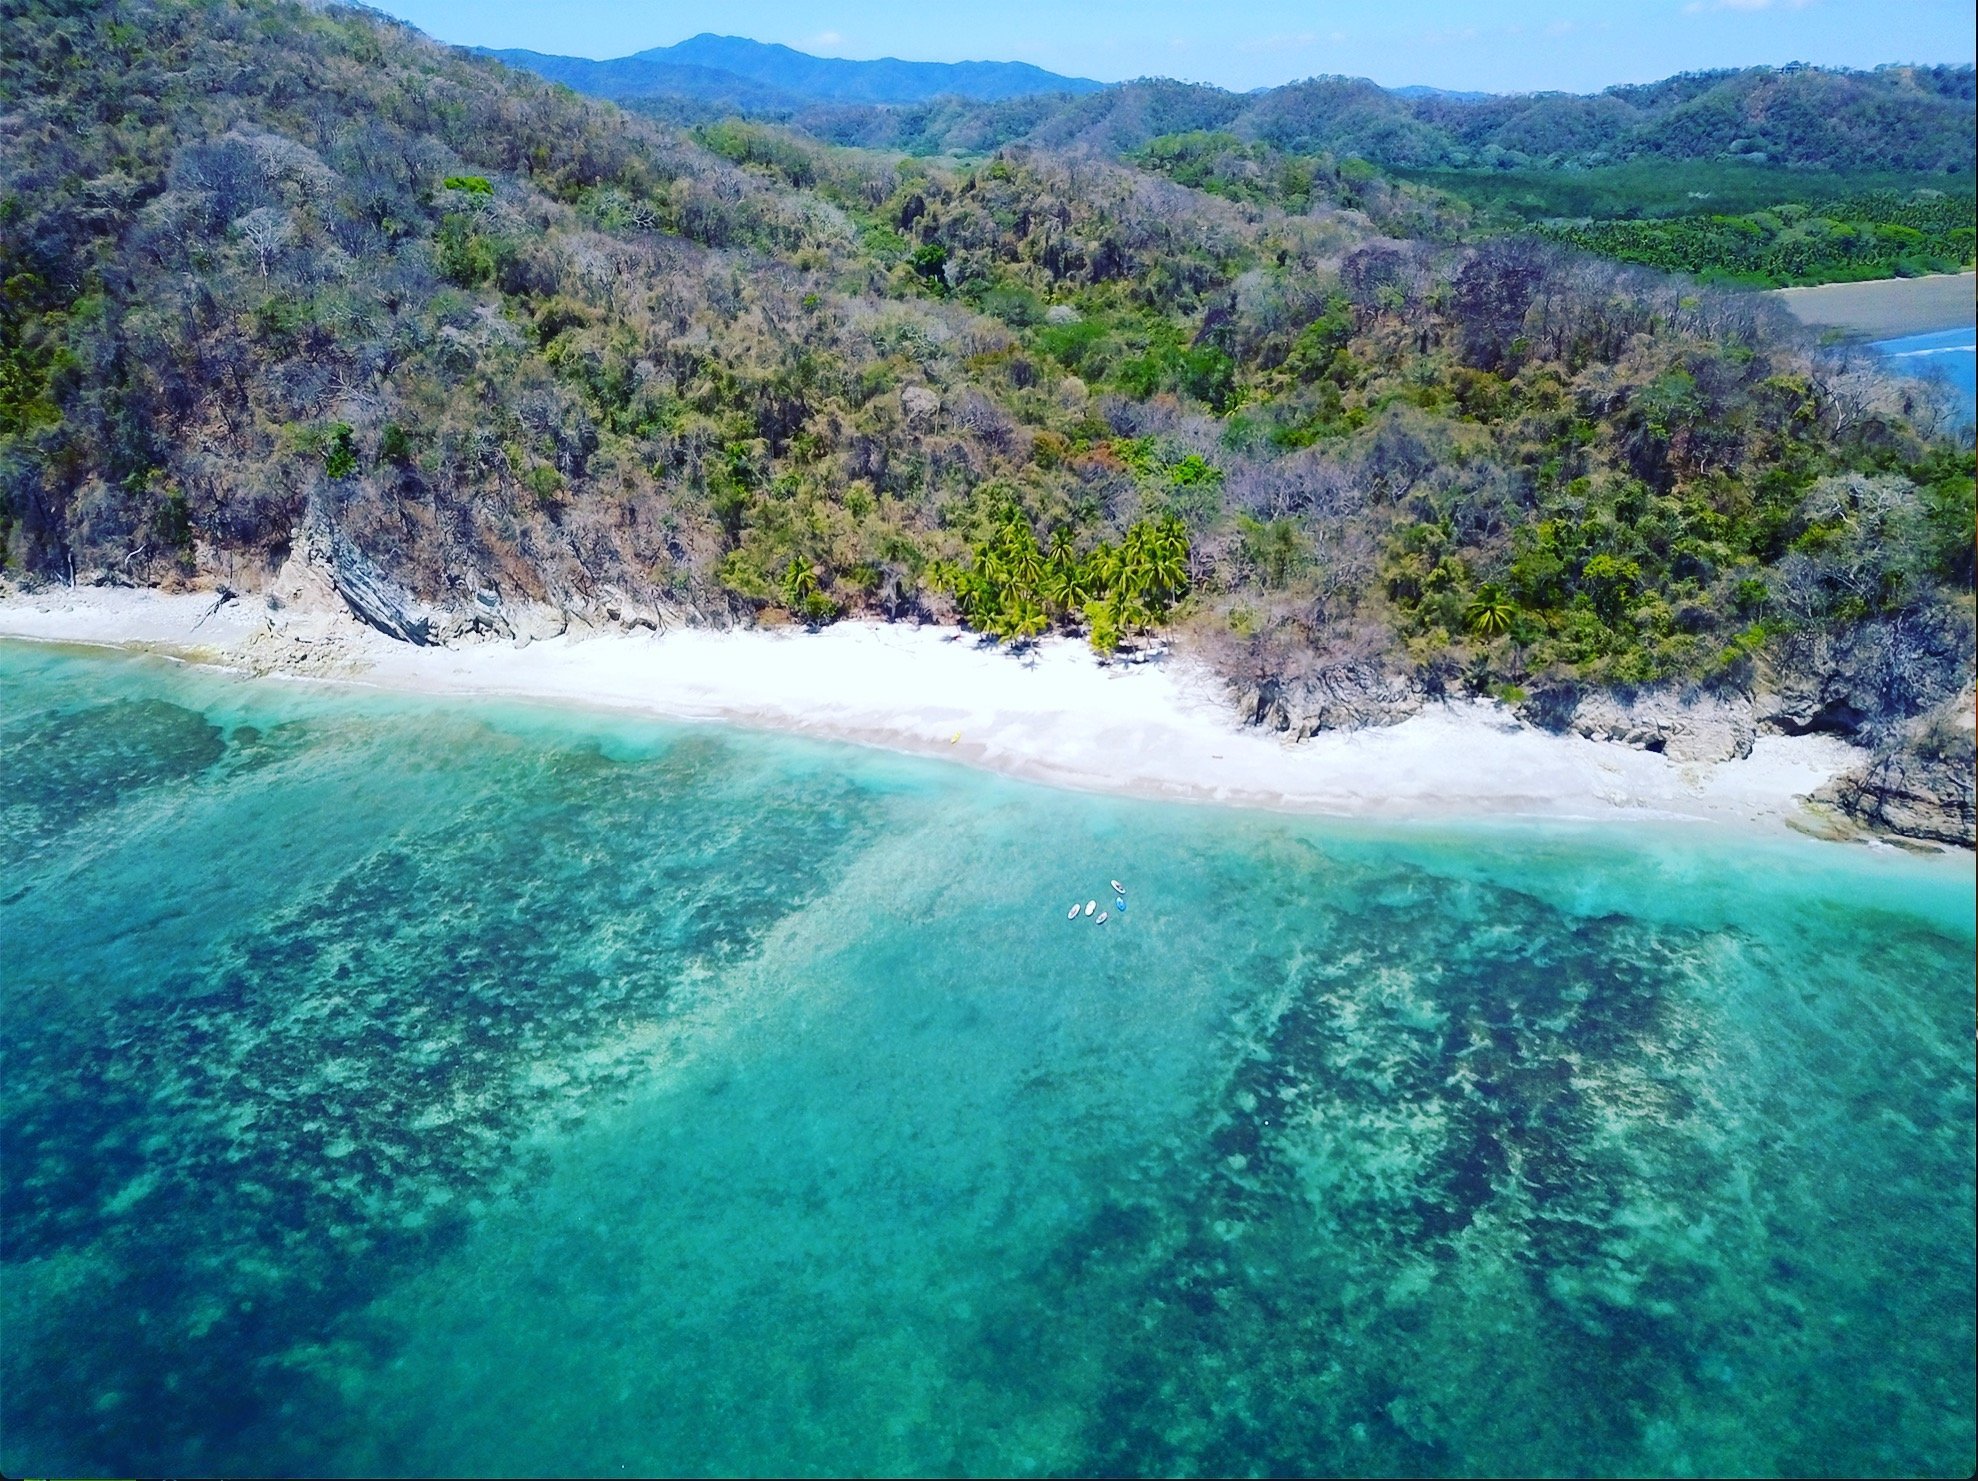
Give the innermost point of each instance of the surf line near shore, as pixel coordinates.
(1161, 727)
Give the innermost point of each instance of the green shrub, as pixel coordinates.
(340, 451)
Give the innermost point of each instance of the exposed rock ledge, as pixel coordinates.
(324, 561)
(1347, 696)
(1695, 727)
(1917, 783)
(1921, 785)
(1353, 696)
(326, 569)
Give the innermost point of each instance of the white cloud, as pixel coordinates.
(826, 38)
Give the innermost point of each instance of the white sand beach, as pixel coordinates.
(1160, 726)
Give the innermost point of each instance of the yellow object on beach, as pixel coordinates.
(954, 738)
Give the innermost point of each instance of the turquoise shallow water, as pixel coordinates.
(1949, 356)
(393, 1087)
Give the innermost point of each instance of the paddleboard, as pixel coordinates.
(1090, 906)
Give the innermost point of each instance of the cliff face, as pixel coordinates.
(1920, 783)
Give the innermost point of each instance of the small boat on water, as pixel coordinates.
(1118, 888)
(1090, 906)
(1103, 915)
(1072, 914)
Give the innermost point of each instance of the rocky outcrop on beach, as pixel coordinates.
(1916, 778)
(325, 570)
(321, 553)
(1347, 696)
(1683, 727)
(1921, 783)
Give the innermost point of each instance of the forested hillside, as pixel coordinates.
(1910, 119)
(267, 266)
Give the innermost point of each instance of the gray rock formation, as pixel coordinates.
(369, 593)
(1921, 783)
(1347, 696)
(483, 615)
(1698, 727)
(1866, 680)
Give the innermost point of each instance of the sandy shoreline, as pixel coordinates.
(1888, 308)
(1160, 728)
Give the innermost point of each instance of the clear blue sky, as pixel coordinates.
(1508, 46)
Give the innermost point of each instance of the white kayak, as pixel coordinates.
(1090, 906)
(1118, 888)
(1104, 915)
(1072, 914)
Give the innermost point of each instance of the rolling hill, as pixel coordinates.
(1910, 119)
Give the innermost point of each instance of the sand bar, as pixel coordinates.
(1160, 727)
(1888, 308)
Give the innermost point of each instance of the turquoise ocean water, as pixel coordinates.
(1949, 356)
(402, 1087)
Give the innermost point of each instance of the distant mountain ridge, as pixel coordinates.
(762, 75)
(634, 79)
(1917, 119)
(1908, 118)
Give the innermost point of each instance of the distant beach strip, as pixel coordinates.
(1888, 308)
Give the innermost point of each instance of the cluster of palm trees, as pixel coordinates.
(1016, 590)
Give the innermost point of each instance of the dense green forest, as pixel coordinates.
(1911, 120)
(1657, 188)
(265, 263)
(1872, 236)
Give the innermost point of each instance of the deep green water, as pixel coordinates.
(432, 1088)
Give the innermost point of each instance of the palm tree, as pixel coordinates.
(1136, 566)
(799, 585)
(1022, 619)
(1102, 570)
(973, 595)
(1026, 561)
(1167, 559)
(1064, 585)
(1492, 612)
